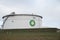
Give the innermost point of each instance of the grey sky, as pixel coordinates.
(49, 9)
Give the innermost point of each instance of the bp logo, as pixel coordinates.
(32, 23)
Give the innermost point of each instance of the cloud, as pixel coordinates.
(50, 10)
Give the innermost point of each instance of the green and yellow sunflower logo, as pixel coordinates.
(32, 22)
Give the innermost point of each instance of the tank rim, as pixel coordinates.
(22, 15)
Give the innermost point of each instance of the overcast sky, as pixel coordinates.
(48, 9)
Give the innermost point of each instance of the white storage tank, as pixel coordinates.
(21, 21)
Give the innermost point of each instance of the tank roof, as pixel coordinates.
(22, 15)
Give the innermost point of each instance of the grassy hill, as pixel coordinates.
(30, 34)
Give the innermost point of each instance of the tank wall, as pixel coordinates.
(22, 22)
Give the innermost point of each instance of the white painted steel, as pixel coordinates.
(22, 22)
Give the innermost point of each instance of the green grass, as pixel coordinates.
(35, 34)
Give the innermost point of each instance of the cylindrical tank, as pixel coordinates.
(22, 21)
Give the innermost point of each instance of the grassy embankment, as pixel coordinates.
(29, 34)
